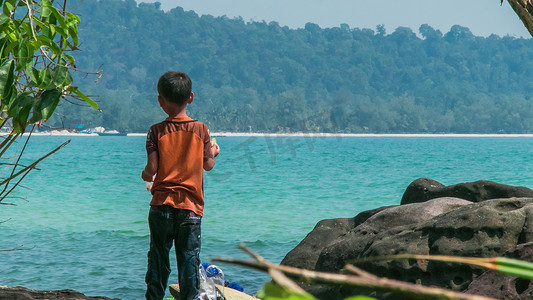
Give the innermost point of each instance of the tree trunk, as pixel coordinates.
(524, 10)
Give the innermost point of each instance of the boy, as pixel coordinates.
(178, 150)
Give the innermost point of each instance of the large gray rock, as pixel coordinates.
(306, 253)
(424, 189)
(442, 226)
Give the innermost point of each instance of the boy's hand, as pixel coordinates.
(146, 177)
(215, 149)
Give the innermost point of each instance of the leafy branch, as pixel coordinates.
(34, 64)
(36, 39)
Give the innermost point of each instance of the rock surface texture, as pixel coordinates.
(22, 293)
(501, 286)
(467, 224)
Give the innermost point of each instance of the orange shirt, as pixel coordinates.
(183, 145)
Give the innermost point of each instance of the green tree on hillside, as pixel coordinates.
(242, 70)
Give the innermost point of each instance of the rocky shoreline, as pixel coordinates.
(22, 293)
(477, 219)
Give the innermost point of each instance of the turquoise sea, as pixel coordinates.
(84, 216)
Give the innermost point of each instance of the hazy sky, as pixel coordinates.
(483, 17)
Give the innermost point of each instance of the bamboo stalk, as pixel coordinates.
(504, 261)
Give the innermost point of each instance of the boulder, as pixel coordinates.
(22, 293)
(441, 226)
(424, 189)
(306, 253)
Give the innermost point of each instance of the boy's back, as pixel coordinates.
(182, 145)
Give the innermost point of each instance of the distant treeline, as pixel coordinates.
(261, 77)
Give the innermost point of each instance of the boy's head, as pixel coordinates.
(175, 87)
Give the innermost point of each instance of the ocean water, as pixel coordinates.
(83, 218)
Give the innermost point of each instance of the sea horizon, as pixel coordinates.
(299, 134)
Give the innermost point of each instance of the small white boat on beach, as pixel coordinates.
(111, 133)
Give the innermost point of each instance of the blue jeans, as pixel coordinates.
(167, 225)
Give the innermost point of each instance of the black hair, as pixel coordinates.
(175, 87)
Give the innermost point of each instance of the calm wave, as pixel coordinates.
(85, 219)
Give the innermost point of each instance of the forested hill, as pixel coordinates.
(262, 77)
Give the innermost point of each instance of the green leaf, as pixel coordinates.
(59, 17)
(35, 44)
(47, 29)
(52, 18)
(70, 58)
(22, 101)
(72, 19)
(359, 298)
(60, 73)
(272, 291)
(68, 79)
(46, 8)
(8, 7)
(46, 79)
(34, 75)
(36, 117)
(75, 90)
(48, 103)
(38, 22)
(9, 94)
(73, 31)
(62, 31)
(3, 43)
(55, 48)
(8, 29)
(27, 28)
(23, 54)
(6, 77)
(4, 19)
(20, 109)
(10, 46)
(46, 41)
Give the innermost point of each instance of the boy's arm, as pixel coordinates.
(210, 162)
(151, 167)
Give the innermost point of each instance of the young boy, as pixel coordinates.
(178, 150)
